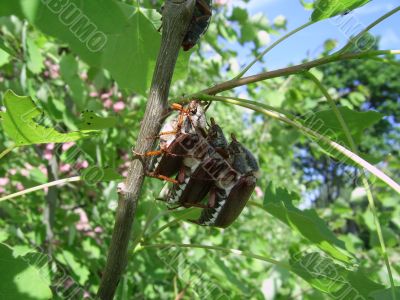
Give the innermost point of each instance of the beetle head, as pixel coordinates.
(196, 117)
(216, 137)
(242, 159)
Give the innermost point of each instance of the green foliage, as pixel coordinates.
(324, 9)
(332, 278)
(22, 277)
(279, 203)
(92, 104)
(23, 123)
(107, 34)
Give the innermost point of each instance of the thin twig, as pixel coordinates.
(366, 29)
(231, 84)
(176, 17)
(41, 187)
(6, 151)
(276, 43)
(367, 187)
(222, 249)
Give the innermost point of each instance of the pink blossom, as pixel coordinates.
(43, 169)
(119, 106)
(48, 155)
(28, 166)
(125, 173)
(83, 223)
(19, 186)
(98, 229)
(105, 96)
(12, 171)
(50, 146)
(84, 76)
(82, 165)
(86, 294)
(222, 2)
(24, 172)
(4, 181)
(2, 190)
(108, 103)
(68, 145)
(94, 94)
(65, 168)
(259, 192)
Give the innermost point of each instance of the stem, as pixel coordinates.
(276, 43)
(231, 84)
(6, 151)
(222, 249)
(368, 28)
(176, 17)
(41, 187)
(165, 226)
(256, 106)
(370, 197)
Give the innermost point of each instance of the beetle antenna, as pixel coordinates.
(207, 106)
(212, 120)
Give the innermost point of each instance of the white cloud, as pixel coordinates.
(259, 5)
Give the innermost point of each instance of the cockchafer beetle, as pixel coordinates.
(177, 140)
(199, 171)
(198, 25)
(228, 198)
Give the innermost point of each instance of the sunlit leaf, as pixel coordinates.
(21, 278)
(331, 278)
(324, 9)
(105, 34)
(278, 202)
(22, 122)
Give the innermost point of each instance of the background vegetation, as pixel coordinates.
(317, 226)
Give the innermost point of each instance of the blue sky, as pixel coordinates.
(309, 42)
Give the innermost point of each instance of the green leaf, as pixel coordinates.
(21, 278)
(105, 34)
(331, 278)
(4, 57)
(22, 123)
(35, 58)
(324, 9)
(81, 272)
(69, 73)
(97, 174)
(91, 121)
(278, 202)
(326, 123)
(385, 294)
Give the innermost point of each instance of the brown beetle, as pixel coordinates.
(228, 198)
(199, 172)
(177, 140)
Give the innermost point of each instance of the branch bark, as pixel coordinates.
(176, 17)
(234, 83)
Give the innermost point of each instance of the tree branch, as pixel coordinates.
(176, 17)
(231, 84)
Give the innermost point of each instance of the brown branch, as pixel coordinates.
(176, 17)
(231, 84)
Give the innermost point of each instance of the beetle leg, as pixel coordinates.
(204, 8)
(198, 205)
(150, 153)
(181, 175)
(212, 198)
(162, 177)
